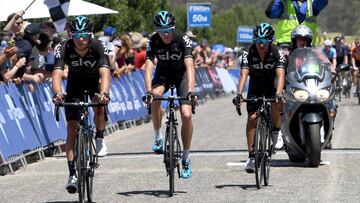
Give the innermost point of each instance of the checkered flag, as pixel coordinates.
(58, 11)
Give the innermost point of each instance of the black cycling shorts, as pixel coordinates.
(181, 85)
(76, 92)
(259, 89)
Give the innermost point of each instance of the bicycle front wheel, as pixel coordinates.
(81, 165)
(171, 142)
(259, 150)
(268, 150)
(92, 163)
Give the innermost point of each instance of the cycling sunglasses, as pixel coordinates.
(84, 35)
(167, 30)
(262, 41)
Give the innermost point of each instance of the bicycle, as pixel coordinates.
(338, 86)
(86, 160)
(172, 147)
(263, 143)
(346, 84)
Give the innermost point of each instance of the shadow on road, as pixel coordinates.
(61, 202)
(156, 193)
(244, 187)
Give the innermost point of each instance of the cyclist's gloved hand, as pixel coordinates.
(58, 97)
(148, 98)
(103, 98)
(191, 96)
(279, 98)
(237, 100)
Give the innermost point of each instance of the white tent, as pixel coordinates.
(39, 10)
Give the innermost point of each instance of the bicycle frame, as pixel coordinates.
(84, 151)
(172, 149)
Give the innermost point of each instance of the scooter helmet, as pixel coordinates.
(302, 31)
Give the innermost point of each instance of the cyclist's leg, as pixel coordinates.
(186, 128)
(72, 117)
(159, 87)
(355, 73)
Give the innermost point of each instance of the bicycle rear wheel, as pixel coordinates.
(259, 150)
(81, 165)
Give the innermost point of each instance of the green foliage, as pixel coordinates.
(132, 16)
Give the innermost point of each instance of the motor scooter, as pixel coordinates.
(308, 117)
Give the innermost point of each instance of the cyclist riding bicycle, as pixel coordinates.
(87, 64)
(265, 64)
(330, 52)
(175, 65)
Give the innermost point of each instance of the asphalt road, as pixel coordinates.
(131, 173)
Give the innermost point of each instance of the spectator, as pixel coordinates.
(25, 46)
(107, 40)
(124, 56)
(192, 37)
(139, 46)
(292, 13)
(14, 23)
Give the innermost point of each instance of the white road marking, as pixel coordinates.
(235, 164)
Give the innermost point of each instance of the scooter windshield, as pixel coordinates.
(307, 63)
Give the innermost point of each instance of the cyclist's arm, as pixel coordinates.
(189, 63)
(280, 77)
(149, 65)
(148, 74)
(190, 73)
(58, 71)
(242, 80)
(244, 71)
(104, 73)
(56, 76)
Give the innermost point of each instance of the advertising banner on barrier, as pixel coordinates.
(215, 79)
(15, 126)
(125, 103)
(133, 96)
(54, 130)
(207, 84)
(226, 80)
(116, 106)
(137, 80)
(34, 114)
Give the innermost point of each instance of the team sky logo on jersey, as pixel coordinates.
(57, 51)
(81, 62)
(261, 66)
(167, 56)
(187, 41)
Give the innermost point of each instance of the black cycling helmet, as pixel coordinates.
(164, 20)
(264, 31)
(80, 24)
(337, 38)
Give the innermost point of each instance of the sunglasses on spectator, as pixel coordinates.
(84, 35)
(167, 30)
(19, 23)
(262, 41)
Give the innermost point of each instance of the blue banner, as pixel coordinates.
(54, 130)
(245, 34)
(199, 14)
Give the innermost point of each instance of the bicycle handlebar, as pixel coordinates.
(171, 98)
(78, 105)
(258, 100)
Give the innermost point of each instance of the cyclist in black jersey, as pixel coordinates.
(265, 64)
(175, 65)
(87, 64)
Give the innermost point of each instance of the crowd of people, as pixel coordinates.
(27, 50)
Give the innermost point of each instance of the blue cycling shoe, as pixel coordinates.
(186, 170)
(158, 146)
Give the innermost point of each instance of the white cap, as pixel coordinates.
(327, 42)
